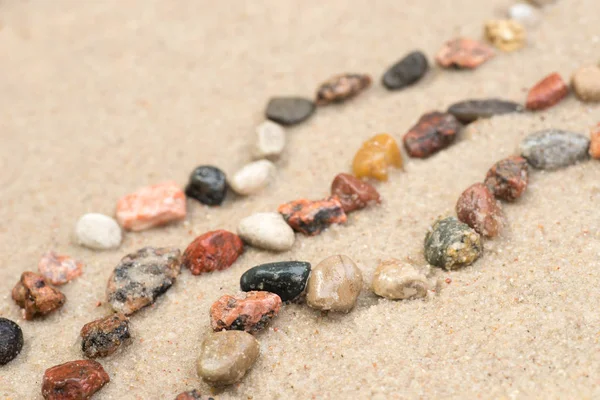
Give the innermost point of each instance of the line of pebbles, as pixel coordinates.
(335, 283)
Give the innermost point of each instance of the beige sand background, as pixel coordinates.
(101, 97)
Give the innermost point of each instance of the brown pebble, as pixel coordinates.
(478, 208)
(342, 87)
(35, 296)
(334, 284)
(312, 217)
(547, 92)
(193, 395)
(249, 311)
(103, 336)
(353, 193)
(59, 269)
(595, 142)
(464, 53)
(74, 380)
(508, 178)
(586, 83)
(433, 132)
(212, 251)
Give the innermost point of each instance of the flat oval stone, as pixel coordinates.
(226, 356)
(334, 284)
(433, 132)
(340, 88)
(287, 279)
(208, 185)
(463, 53)
(270, 141)
(552, 149)
(98, 231)
(250, 311)
(477, 207)
(212, 251)
(289, 110)
(74, 380)
(11, 340)
(409, 70)
(451, 244)
(547, 93)
(399, 281)
(508, 178)
(267, 231)
(252, 177)
(470, 110)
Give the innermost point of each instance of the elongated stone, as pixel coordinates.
(102, 337)
(433, 132)
(313, 217)
(250, 311)
(289, 110)
(508, 178)
(470, 110)
(553, 148)
(267, 231)
(208, 185)
(451, 244)
(463, 53)
(74, 380)
(11, 340)
(398, 281)
(334, 284)
(342, 87)
(408, 71)
(212, 251)
(478, 208)
(35, 296)
(547, 93)
(287, 279)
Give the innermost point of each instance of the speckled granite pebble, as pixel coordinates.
(451, 244)
(553, 148)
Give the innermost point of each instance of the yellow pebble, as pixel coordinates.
(506, 34)
(375, 156)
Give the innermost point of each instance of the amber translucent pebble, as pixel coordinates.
(375, 156)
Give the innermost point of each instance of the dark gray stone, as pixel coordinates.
(470, 110)
(289, 110)
(287, 279)
(11, 340)
(451, 244)
(406, 72)
(553, 149)
(208, 185)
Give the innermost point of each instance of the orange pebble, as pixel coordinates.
(595, 142)
(375, 156)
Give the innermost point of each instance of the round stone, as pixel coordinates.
(287, 279)
(451, 244)
(208, 185)
(409, 70)
(470, 110)
(334, 284)
(586, 83)
(553, 149)
(524, 13)
(289, 110)
(397, 281)
(252, 177)
(267, 231)
(98, 231)
(11, 340)
(270, 141)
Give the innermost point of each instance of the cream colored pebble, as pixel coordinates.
(98, 231)
(397, 281)
(267, 231)
(270, 141)
(252, 177)
(334, 284)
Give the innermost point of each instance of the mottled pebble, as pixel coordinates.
(249, 311)
(478, 208)
(98, 231)
(396, 280)
(267, 231)
(463, 53)
(11, 340)
(408, 71)
(353, 193)
(59, 269)
(508, 178)
(506, 34)
(553, 148)
(35, 296)
(312, 217)
(547, 93)
(289, 110)
(193, 395)
(586, 83)
(595, 142)
(451, 244)
(208, 185)
(287, 279)
(342, 87)
(376, 156)
(524, 13)
(270, 141)
(334, 284)
(102, 337)
(433, 132)
(470, 110)
(212, 251)
(74, 380)
(252, 177)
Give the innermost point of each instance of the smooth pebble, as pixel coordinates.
(267, 231)
(287, 279)
(98, 231)
(252, 177)
(408, 71)
(289, 110)
(552, 149)
(334, 284)
(398, 281)
(208, 185)
(586, 83)
(11, 340)
(524, 13)
(270, 141)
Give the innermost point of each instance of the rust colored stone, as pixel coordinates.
(74, 380)
(59, 269)
(508, 178)
(353, 193)
(464, 53)
(103, 336)
(433, 132)
(342, 87)
(478, 208)
(250, 311)
(312, 217)
(547, 92)
(375, 156)
(193, 395)
(212, 251)
(595, 142)
(35, 296)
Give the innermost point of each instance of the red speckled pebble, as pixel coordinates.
(74, 380)
(353, 193)
(312, 217)
(212, 251)
(249, 311)
(59, 269)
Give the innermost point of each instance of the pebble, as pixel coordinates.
(11, 340)
(463, 53)
(433, 132)
(270, 141)
(313, 217)
(141, 277)
(212, 251)
(249, 311)
(586, 83)
(334, 284)
(408, 71)
(508, 178)
(252, 177)
(193, 395)
(35, 296)
(375, 156)
(98, 231)
(477, 207)
(547, 92)
(289, 110)
(151, 206)
(506, 34)
(553, 149)
(267, 231)
(102, 337)
(399, 281)
(524, 13)
(595, 142)
(225, 357)
(59, 269)
(287, 279)
(74, 380)
(342, 87)
(470, 110)
(353, 193)
(208, 185)
(451, 244)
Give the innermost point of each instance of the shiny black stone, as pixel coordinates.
(406, 71)
(287, 279)
(208, 185)
(289, 110)
(470, 110)
(11, 340)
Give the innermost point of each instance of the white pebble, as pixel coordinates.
(395, 280)
(252, 177)
(98, 231)
(270, 141)
(267, 231)
(524, 13)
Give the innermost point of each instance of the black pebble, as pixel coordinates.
(470, 110)
(289, 110)
(406, 71)
(11, 340)
(208, 185)
(287, 279)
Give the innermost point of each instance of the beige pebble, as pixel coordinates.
(252, 177)
(506, 34)
(525, 14)
(226, 356)
(334, 284)
(586, 83)
(397, 281)
(270, 141)
(267, 231)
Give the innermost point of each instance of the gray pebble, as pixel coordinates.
(289, 110)
(451, 244)
(553, 149)
(471, 110)
(406, 72)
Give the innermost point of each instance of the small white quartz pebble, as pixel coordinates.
(252, 177)
(524, 13)
(267, 231)
(98, 231)
(397, 281)
(270, 141)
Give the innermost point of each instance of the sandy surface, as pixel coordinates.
(102, 97)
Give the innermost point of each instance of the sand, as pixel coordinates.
(102, 97)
